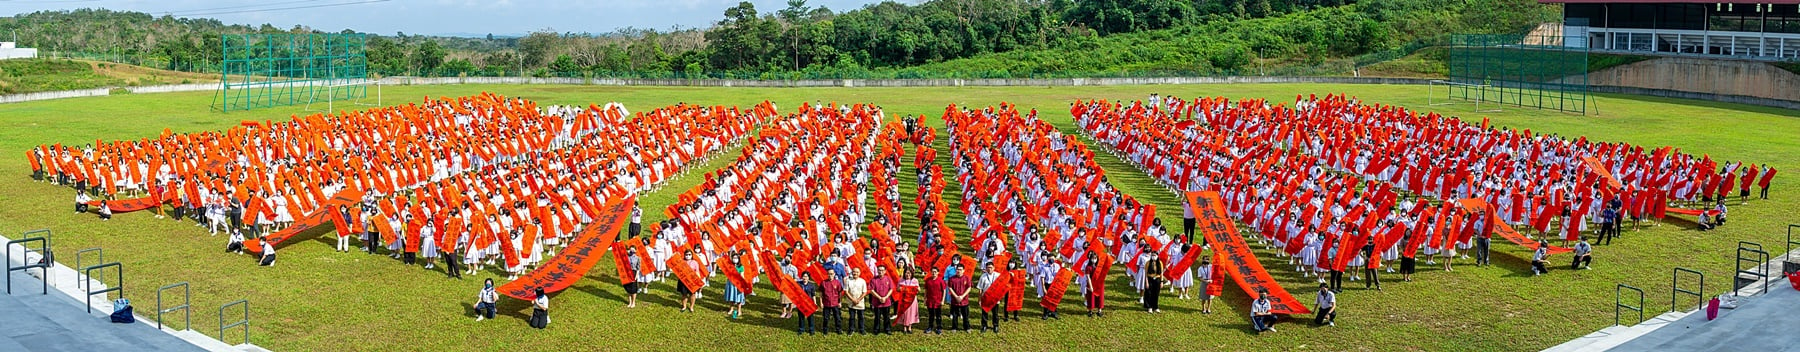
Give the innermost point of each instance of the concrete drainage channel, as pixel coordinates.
(75, 285)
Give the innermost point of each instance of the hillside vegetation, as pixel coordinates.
(937, 38)
(42, 75)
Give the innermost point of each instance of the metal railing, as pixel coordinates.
(1789, 266)
(187, 315)
(49, 250)
(245, 322)
(120, 287)
(43, 247)
(100, 256)
(1675, 287)
(1618, 303)
(1759, 259)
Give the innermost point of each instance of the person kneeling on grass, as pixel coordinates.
(1262, 315)
(1539, 259)
(1583, 255)
(1327, 307)
(484, 302)
(540, 310)
(268, 257)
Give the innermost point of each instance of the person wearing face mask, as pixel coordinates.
(484, 301)
(632, 288)
(688, 294)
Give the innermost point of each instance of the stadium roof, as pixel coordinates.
(1782, 2)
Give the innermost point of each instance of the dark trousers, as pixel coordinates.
(268, 260)
(1765, 193)
(1372, 278)
(484, 310)
(409, 258)
(1607, 232)
(882, 323)
(932, 323)
(81, 207)
(1262, 322)
(1337, 280)
(1581, 261)
(856, 321)
(1152, 293)
(1539, 266)
(453, 264)
(959, 312)
(1325, 316)
(990, 319)
(806, 323)
(833, 320)
(1187, 228)
(1407, 265)
(1482, 245)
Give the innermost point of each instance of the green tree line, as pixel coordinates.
(931, 38)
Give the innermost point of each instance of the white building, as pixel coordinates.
(10, 50)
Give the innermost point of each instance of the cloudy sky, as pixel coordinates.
(455, 17)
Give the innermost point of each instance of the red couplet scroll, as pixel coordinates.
(1236, 259)
(572, 263)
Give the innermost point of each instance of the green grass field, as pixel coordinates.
(320, 300)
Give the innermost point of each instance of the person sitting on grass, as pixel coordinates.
(81, 202)
(1262, 315)
(105, 211)
(237, 243)
(1583, 255)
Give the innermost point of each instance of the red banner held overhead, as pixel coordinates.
(1236, 259)
(572, 263)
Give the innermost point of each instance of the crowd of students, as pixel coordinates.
(1337, 187)
(476, 180)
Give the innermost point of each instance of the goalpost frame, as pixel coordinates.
(261, 70)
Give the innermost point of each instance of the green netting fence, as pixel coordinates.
(1544, 72)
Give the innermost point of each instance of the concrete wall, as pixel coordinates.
(1707, 77)
(14, 98)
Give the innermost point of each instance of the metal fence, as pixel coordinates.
(1545, 72)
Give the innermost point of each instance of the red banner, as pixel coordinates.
(686, 274)
(573, 262)
(318, 218)
(128, 205)
(1236, 259)
(621, 262)
(1180, 268)
(733, 275)
(1600, 169)
(793, 292)
(1053, 295)
(996, 291)
(1507, 232)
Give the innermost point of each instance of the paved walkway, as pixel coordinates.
(33, 321)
